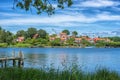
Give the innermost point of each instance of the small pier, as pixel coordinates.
(16, 60)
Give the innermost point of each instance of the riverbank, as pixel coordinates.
(28, 45)
(54, 47)
(52, 74)
(24, 45)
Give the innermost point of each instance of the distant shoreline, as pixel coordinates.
(60, 47)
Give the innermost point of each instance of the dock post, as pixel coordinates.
(5, 63)
(21, 61)
(18, 63)
(2, 63)
(14, 63)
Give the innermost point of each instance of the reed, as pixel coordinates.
(56, 74)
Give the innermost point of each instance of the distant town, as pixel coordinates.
(40, 38)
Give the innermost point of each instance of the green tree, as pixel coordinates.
(56, 42)
(66, 31)
(44, 41)
(31, 32)
(6, 36)
(2, 36)
(74, 33)
(85, 43)
(70, 41)
(9, 37)
(0, 28)
(100, 43)
(115, 39)
(21, 33)
(42, 5)
(42, 33)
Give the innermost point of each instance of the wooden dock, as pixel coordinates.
(16, 60)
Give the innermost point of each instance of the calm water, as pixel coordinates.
(88, 58)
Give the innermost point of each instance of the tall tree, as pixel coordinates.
(42, 33)
(9, 37)
(31, 32)
(74, 33)
(2, 36)
(66, 31)
(5, 36)
(21, 33)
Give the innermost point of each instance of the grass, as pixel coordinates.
(52, 74)
(22, 45)
(3, 45)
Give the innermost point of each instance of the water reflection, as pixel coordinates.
(35, 60)
(60, 57)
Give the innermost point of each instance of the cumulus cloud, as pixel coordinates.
(85, 14)
(60, 19)
(98, 3)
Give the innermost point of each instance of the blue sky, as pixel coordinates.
(82, 16)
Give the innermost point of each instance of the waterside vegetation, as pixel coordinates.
(52, 74)
(40, 38)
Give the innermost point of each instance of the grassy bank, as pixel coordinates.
(52, 74)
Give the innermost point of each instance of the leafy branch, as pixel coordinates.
(41, 5)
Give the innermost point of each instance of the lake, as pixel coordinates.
(87, 58)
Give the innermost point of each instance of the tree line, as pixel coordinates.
(8, 39)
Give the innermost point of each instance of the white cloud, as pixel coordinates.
(10, 14)
(60, 19)
(98, 3)
(106, 17)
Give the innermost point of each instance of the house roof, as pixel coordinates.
(78, 38)
(35, 36)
